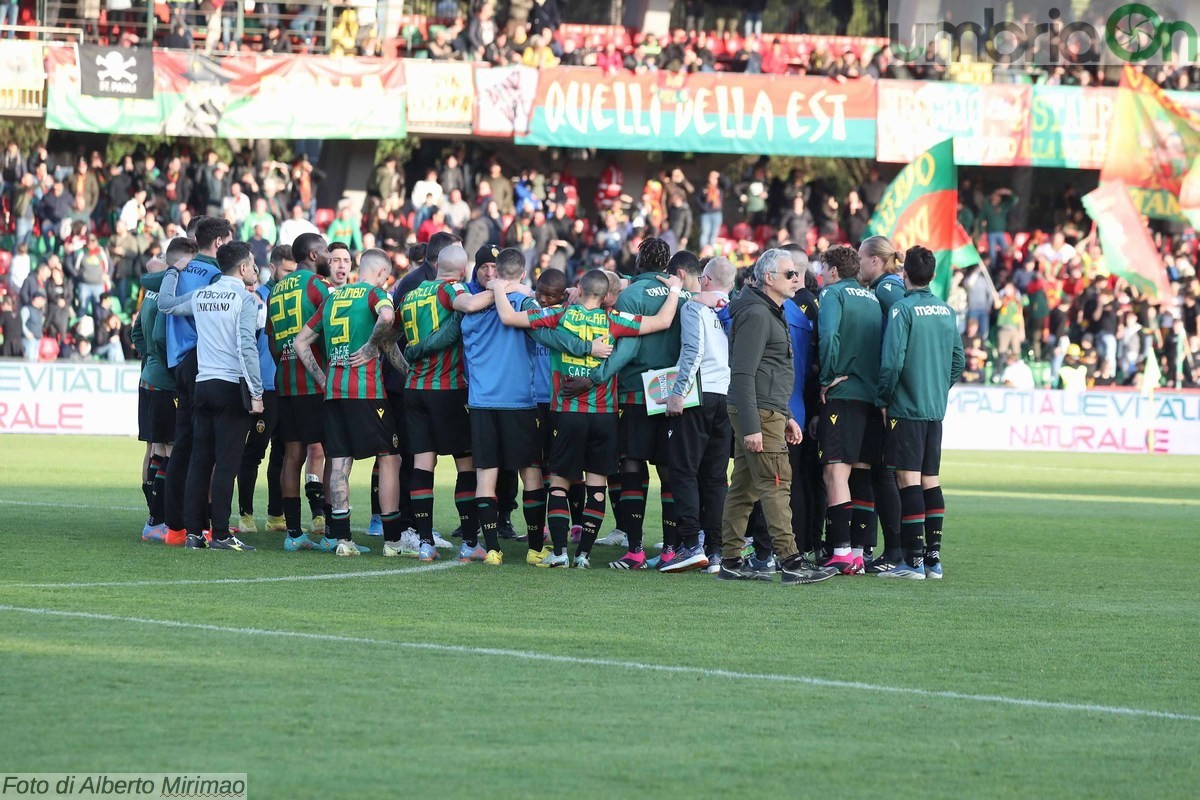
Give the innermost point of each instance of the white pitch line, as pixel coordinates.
(1072, 498)
(329, 576)
(528, 655)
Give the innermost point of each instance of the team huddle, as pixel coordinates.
(560, 397)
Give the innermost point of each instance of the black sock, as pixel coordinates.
(633, 508)
(339, 525)
(912, 524)
(274, 472)
(534, 505)
(593, 518)
(392, 529)
(291, 515)
(575, 498)
(315, 493)
(614, 498)
(464, 501)
(158, 497)
(487, 510)
(837, 525)
(935, 512)
(862, 507)
(148, 482)
(558, 516)
(421, 498)
(670, 523)
(887, 506)
(375, 490)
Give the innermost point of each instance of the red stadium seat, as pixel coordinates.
(324, 218)
(743, 231)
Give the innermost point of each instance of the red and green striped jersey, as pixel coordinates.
(424, 310)
(293, 301)
(347, 320)
(588, 325)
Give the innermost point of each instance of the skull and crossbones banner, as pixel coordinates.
(116, 71)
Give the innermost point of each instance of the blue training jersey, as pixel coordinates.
(181, 330)
(500, 360)
(800, 328)
(266, 363)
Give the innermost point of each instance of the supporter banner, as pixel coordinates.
(995, 418)
(68, 398)
(704, 113)
(444, 100)
(239, 96)
(989, 124)
(1152, 144)
(116, 71)
(1070, 126)
(21, 65)
(504, 100)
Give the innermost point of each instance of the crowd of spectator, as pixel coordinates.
(530, 32)
(81, 232)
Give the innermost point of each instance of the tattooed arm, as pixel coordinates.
(302, 344)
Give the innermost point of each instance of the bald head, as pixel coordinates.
(452, 263)
(721, 274)
(373, 266)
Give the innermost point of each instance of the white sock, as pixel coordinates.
(841, 551)
(857, 552)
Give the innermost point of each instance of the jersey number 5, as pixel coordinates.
(338, 324)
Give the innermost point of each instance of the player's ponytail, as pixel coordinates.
(885, 250)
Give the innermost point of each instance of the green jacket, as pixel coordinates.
(150, 336)
(851, 325)
(634, 355)
(922, 358)
(995, 218)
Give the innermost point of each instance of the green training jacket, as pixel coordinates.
(634, 355)
(850, 326)
(154, 335)
(922, 357)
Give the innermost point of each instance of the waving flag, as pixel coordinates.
(1129, 252)
(1153, 143)
(921, 207)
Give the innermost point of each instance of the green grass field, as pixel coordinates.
(1058, 658)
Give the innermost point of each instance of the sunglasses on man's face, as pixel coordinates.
(789, 274)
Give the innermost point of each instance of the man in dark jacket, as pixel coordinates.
(760, 388)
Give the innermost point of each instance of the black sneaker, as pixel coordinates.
(506, 529)
(195, 542)
(231, 543)
(800, 570)
(885, 563)
(456, 533)
(739, 569)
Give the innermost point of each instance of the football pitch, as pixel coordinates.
(1058, 658)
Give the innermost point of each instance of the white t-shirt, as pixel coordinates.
(1018, 375)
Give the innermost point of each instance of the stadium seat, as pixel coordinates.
(743, 231)
(324, 217)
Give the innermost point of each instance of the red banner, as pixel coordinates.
(989, 124)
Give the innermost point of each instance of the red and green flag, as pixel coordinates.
(921, 207)
(1151, 147)
(1129, 252)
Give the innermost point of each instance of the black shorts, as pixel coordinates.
(262, 429)
(302, 418)
(850, 432)
(583, 443)
(437, 421)
(505, 438)
(359, 429)
(914, 445)
(156, 415)
(545, 432)
(643, 437)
